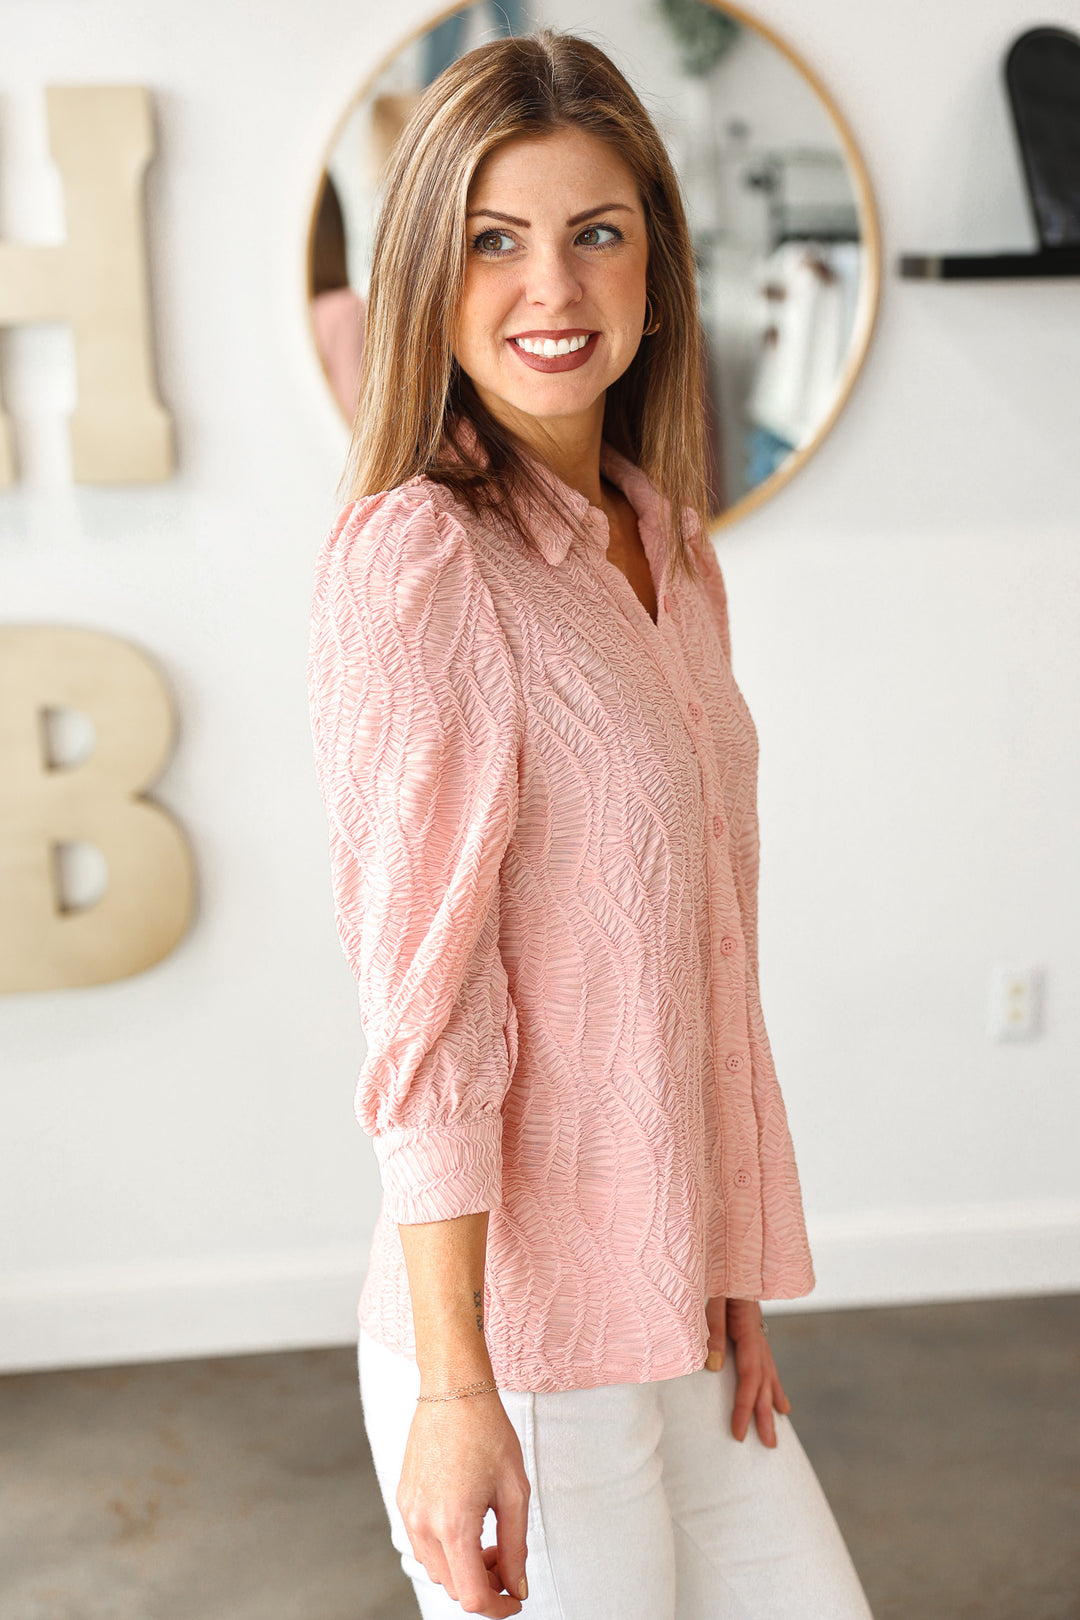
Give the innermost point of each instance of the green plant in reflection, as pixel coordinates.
(703, 33)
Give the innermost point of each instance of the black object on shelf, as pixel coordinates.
(1042, 73)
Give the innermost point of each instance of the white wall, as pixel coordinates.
(180, 1170)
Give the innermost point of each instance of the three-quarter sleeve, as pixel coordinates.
(745, 851)
(417, 722)
(746, 861)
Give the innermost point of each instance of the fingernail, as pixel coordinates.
(714, 1360)
(523, 1589)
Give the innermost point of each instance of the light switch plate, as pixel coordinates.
(1014, 1011)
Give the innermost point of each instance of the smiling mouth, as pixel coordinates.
(550, 347)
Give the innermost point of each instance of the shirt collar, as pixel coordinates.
(555, 535)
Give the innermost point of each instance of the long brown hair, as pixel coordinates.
(414, 396)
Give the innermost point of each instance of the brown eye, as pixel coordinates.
(611, 233)
(489, 243)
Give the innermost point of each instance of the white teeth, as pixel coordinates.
(549, 347)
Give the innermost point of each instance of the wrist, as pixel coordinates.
(448, 1366)
(474, 1389)
(450, 1345)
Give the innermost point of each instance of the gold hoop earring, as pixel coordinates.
(653, 325)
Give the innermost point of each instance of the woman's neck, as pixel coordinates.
(576, 462)
(568, 446)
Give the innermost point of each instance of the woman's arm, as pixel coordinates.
(417, 721)
(445, 1262)
(462, 1455)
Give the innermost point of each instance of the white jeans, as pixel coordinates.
(644, 1506)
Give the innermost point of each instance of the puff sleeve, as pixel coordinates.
(417, 721)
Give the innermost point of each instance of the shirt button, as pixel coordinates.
(695, 712)
(734, 1062)
(742, 1178)
(717, 825)
(729, 944)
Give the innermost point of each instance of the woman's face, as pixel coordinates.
(556, 254)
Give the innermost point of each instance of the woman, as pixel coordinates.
(539, 775)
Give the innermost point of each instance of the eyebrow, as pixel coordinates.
(576, 219)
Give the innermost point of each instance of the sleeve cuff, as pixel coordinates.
(436, 1175)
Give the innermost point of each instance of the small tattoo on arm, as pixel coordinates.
(478, 1301)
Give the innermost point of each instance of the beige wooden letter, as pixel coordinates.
(147, 905)
(102, 139)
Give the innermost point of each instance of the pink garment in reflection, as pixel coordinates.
(339, 318)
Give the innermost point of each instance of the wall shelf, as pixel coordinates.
(1042, 76)
(989, 266)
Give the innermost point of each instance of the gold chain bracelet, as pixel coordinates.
(480, 1386)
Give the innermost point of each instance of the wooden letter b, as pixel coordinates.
(147, 904)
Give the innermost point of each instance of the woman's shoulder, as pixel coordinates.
(416, 526)
(419, 506)
(403, 559)
(399, 588)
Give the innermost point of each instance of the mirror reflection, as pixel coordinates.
(778, 205)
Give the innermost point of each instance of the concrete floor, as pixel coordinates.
(240, 1488)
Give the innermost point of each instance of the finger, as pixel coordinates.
(745, 1400)
(511, 1526)
(716, 1322)
(474, 1591)
(490, 1555)
(780, 1400)
(763, 1414)
(428, 1552)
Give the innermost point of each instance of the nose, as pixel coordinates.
(551, 277)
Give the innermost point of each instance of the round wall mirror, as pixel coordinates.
(780, 208)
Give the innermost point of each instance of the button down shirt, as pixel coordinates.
(544, 859)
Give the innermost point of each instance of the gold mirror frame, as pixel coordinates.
(870, 239)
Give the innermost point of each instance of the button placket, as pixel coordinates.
(662, 646)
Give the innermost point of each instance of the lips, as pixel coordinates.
(568, 361)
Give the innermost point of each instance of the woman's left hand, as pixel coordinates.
(758, 1389)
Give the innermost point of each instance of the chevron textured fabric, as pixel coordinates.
(544, 861)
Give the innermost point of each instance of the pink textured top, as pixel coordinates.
(544, 857)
